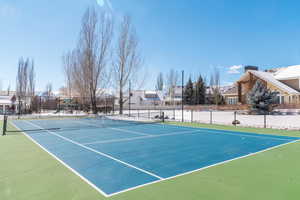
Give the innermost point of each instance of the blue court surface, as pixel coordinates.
(115, 156)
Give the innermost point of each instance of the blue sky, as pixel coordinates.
(193, 35)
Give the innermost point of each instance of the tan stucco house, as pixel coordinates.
(286, 81)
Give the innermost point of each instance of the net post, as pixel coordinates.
(192, 115)
(4, 125)
(148, 113)
(163, 116)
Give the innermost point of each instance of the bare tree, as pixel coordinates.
(68, 61)
(21, 84)
(48, 90)
(160, 82)
(25, 81)
(31, 80)
(85, 67)
(172, 82)
(215, 86)
(8, 90)
(127, 60)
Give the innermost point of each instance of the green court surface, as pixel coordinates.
(28, 172)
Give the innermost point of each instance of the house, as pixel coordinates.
(285, 81)
(174, 96)
(230, 95)
(144, 98)
(6, 104)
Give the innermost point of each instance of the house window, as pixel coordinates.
(232, 100)
(282, 100)
(277, 99)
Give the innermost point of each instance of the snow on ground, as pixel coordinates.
(227, 117)
(218, 117)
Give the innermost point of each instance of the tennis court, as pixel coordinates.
(114, 156)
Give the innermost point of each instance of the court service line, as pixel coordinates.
(99, 152)
(117, 129)
(203, 168)
(225, 132)
(142, 137)
(62, 162)
(237, 133)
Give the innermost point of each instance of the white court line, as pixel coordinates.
(138, 138)
(225, 132)
(98, 152)
(203, 168)
(118, 129)
(63, 163)
(172, 177)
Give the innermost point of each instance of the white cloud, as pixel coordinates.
(227, 83)
(106, 3)
(100, 2)
(235, 69)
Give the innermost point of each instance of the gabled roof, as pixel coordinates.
(232, 90)
(268, 77)
(291, 72)
(5, 100)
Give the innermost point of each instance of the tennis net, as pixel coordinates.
(55, 123)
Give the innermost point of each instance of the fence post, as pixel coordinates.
(174, 113)
(4, 125)
(192, 115)
(129, 102)
(210, 116)
(19, 109)
(59, 105)
(234, 118)
(113, 106)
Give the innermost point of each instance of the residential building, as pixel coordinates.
(230, 95)
(174, 96)
(7, 104)
(144, 98)
(285, 81)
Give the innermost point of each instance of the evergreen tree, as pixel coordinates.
(200, 91)
(189, 93)
(261, 99)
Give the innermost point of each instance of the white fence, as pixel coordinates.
(291, 121)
